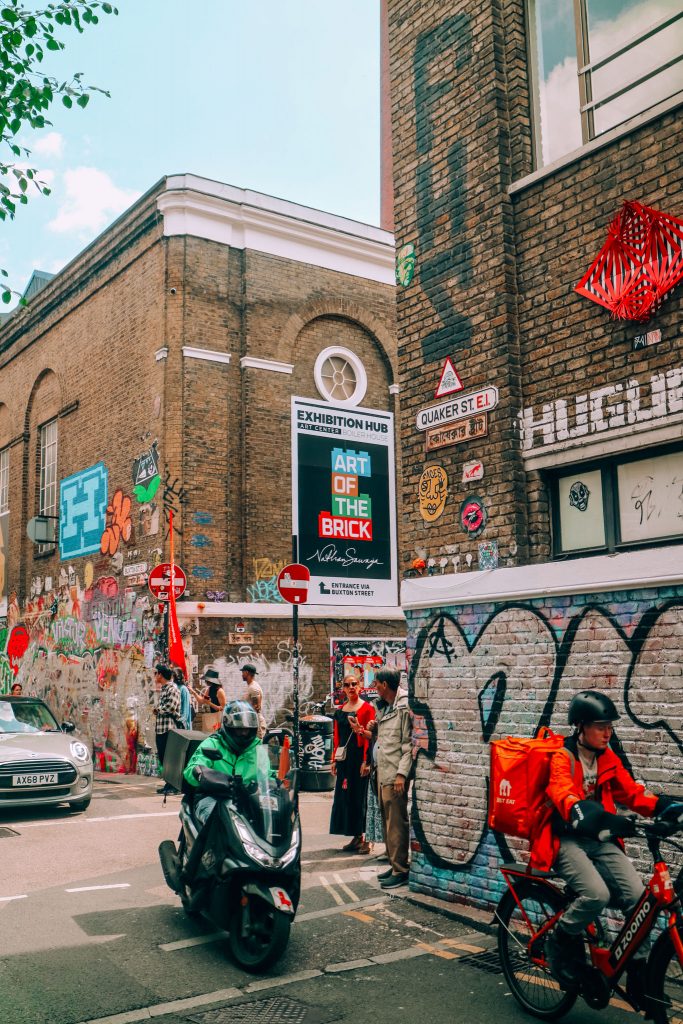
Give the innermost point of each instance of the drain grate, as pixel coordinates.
(488, 962)
(277, 1010)
(7, 833)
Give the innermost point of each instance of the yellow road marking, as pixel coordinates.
(359, 916)
(456, 944)
(332, 891)
(443, 953)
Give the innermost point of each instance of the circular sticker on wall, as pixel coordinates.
(432, 492)
(473, 515)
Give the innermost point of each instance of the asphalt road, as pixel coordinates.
(90, 933)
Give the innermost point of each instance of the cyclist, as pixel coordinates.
(587, 777)
(242, 753)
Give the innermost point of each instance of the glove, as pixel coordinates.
(617, 825)
(669, 809)
(589, 819)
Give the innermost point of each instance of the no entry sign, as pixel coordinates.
(159, 581)
(292, 583)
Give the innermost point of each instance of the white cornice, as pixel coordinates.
(249, 220)
(207, 354)
(394, 389)
(253, 363)
(161, 353)
(244, 610)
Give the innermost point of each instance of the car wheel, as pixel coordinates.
(79, 805)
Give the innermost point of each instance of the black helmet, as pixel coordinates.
(239, 725)
(590, 706)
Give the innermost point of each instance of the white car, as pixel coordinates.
(41, 762)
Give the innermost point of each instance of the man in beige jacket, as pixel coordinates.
(394, 761)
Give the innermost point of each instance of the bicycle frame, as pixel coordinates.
(661, 894)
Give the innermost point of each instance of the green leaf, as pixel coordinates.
(67, 101)
(6, 296)
(52, 43)
(83, 100)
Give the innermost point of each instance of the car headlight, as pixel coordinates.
(80, 751)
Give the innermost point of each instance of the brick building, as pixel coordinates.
(544, 495)
(155, 373)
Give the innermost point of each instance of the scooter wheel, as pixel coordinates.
(258, 935)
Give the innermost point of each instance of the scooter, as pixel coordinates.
(242, 868)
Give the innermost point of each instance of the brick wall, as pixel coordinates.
(484, 671)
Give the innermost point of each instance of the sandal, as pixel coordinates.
(364, 848)
(353, 845)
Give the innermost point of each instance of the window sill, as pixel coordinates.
(597, 144)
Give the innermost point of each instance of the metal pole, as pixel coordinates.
(295, 665)
(166, 629)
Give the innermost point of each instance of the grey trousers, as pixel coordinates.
(394, 810)
(601, 874)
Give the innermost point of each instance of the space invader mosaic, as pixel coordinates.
(82, 511)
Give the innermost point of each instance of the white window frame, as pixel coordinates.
(4, 481)
(337, 351)
(48, 493)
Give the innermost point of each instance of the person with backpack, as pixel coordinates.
(582, 840)
(188, 702)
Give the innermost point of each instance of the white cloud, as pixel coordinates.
(51, 144)
(92, 200)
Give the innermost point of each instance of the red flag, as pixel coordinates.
(176, 652)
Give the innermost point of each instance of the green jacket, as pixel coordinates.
(394, 740)
(251, 763)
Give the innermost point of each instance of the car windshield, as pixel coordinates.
(26, 716)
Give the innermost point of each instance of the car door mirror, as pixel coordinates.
(68, 727)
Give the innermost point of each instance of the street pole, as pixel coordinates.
(295, 665)
(166, 628)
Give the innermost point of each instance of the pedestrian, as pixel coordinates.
(166, 713)
(349, 756)
(254, 696)
(188, 701)
(374, 826)
(213, 698)
(17, 690)
(394, 763)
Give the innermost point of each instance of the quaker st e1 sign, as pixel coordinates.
(344, 503)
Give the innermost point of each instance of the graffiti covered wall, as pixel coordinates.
(483, 671)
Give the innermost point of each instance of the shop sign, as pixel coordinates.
(458, 408)
(462, 430)
(343, 503)
(472, 471)
(241, 638)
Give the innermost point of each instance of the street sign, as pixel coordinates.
(159, 581)
(449, 381)
(292, 583)
(458, 408)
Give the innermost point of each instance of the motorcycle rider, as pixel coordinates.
(241, 753)
(586, 778)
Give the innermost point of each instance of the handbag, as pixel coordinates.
(340, 752)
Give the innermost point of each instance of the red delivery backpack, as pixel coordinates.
(520, 772)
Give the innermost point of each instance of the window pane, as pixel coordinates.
(555, 76)
(651, 498)
(582, 520)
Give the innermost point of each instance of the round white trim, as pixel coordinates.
(356, 365)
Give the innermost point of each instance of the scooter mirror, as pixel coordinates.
(213, 755)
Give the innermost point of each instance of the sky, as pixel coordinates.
(279, 96)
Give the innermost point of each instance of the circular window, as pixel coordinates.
(340, 376)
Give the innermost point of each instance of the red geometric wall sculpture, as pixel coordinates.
(639, 263)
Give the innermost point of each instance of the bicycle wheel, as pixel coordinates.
(666, 983)
(531, 984)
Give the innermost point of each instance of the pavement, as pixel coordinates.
(90, 934)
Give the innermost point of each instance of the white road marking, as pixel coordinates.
(350, 965)
(87, 821)
(332, 891)
(344, 887)
(6, 899)
(96, 888)
(198, 940)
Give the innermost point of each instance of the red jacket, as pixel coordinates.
(565, 788)
(365, 714)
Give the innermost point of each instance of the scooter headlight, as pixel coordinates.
(292, 851)
(256, 853)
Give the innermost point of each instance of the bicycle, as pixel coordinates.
(534, 903)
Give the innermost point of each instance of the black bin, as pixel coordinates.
(180, 746)
(316, 746)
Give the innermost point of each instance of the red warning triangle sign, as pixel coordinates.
(450, 380)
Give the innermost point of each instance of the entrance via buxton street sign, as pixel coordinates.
(458, 408)
(160, 581)
(292, 583)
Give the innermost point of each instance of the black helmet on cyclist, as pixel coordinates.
(239, 725)
(590, 706)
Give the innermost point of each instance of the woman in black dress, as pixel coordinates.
(351, 786)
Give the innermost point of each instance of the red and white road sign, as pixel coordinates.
(159, 581)
(449, 381)
(292, 583)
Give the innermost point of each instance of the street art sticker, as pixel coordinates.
(82, 511)
(488, 554)
(432, 492)
(405, 264)
(492, 670)
(363, 657)
(146, 477)
(119, 524)
(473, 515)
